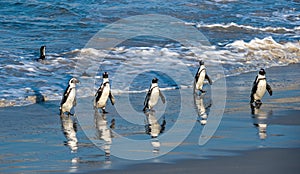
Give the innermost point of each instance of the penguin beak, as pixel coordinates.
(77, 81)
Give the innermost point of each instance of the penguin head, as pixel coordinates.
(155, 80)
(201, 62)
(73, 81)
(262, 71)
(105, 75)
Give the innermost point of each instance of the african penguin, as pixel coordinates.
(103, 93)
(260, 86)
(152, 95)
(42, 53)
(69, 97)
(200, 77)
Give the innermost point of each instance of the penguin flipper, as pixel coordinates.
(65, 96)
(147, 98)
(209, 80)
(254, 88)
(163, 99)
(269, 89)
(112, 98)
(197, 74)
(255, 81)
(146, 101)
(99, 92)
(253, 91)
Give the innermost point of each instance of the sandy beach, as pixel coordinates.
(35, 139)
(275, 161)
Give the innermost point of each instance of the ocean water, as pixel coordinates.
(243, 36)
(238, 37)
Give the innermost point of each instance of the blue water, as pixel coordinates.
(243, 36)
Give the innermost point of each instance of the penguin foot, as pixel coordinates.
(70, 114)
(202, 91)
(145, 109)
(258, 104)
(104, 111)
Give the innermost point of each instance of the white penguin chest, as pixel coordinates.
(201, 78)
(154, 96)
(261, 89)
(71, 98)
(104, 96)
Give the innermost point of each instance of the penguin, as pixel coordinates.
(200, 77)
(152, 96)
(42, 53)
(259, 88)
(69, 97)
(103, 93)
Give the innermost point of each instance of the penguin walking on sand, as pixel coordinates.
(200, 77)
(69, 97)
(260, 86)
(103, 93)
(152, 95)
(42, 53)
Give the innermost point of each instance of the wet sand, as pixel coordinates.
(275, 161)
(34, 139)
(268, 154)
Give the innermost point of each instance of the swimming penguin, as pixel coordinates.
(152, 96)
(42, 53)
(200, 77)
(69, 97)
(260, 86)
(103, 93)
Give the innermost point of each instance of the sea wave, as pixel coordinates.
(28, 81)
(235, 26)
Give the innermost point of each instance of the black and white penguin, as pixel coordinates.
(103, 93)
(260, 86)
(200, 77)
(69, 97)
(42, 53)
(152, 95)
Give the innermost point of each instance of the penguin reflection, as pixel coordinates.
(153, 128)
(69, 128)
(202, 108)
(103, 131)
(260, 121)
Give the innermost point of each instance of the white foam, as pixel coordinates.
(248, 27)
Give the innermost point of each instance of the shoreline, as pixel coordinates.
(236, 147)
